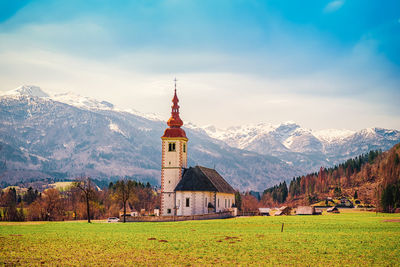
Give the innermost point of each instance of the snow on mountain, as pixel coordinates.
(27, 90)
(114, 127)
(332, 135)
(81, 101)
(63, 135)
(305, 148)
(75, 100)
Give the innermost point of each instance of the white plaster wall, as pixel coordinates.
(176, 158)
(171, 179)
(225, 201)
(197, 203)
(167, 202)
(181, 200)
(171, 172)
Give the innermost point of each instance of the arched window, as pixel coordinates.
(171, 147)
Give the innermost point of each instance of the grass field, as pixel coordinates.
(352, 238)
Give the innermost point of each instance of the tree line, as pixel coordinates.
(83, 200)
(380, 171)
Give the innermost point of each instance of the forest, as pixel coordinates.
(373, 178)
(82, 200)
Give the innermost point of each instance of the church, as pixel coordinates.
(188, 191)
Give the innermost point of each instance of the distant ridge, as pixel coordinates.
(63, 135)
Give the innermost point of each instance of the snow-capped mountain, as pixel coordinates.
(43, 134)
(72, 99)
(305, 148)
(64, 136)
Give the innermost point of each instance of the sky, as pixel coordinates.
(320, 63)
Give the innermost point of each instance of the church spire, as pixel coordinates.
(175, 121)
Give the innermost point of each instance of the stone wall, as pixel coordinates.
(219, 215)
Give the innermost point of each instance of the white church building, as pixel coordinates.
(188, 191)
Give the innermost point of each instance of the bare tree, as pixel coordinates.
(123, 191)
(52, 204)
(86, 185)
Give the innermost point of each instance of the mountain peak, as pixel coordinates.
(29, 90)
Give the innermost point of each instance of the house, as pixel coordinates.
(129, 211)
(307, 210)
(283, 211)
(346, 203)
(333, 210)
(264, 211)
(188, 191)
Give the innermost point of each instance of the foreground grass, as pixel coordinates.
(340, 239)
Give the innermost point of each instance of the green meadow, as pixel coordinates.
(349, 238)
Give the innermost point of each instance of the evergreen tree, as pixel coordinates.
(10, 210)
(21, 214)
(30, 196)
(238, 200)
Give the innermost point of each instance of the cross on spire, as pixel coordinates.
(175, 80)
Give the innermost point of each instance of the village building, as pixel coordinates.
(264, 211)
(307, 210)
(333, 210)
(283, 211)
(188, 191)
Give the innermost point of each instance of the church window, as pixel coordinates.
(187, 202)
(169, 182)
(168, 210)
(205, 203)
(229, 203)
(171, 147)
(184, 148)
(225, 203)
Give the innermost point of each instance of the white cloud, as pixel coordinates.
(289, 79)
(333, 6)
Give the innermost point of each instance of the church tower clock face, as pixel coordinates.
(174, 158)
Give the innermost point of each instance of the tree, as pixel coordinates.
(74, 196)
(52, 205)
(355, 195)
(10, 201)
(238, 200)
(86, 186)
(21, 214)
(123, 191)
(30, 196)
(249, 203)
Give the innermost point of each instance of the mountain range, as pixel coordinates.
(65, 135)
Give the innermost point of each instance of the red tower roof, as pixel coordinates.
(175, 121)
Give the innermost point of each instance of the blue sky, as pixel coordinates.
(323, 64)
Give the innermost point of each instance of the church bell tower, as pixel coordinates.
(174, 158)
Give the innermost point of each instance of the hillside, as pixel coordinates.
(61, 136)
(64, 136)
(303, 148)
(373, 178)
